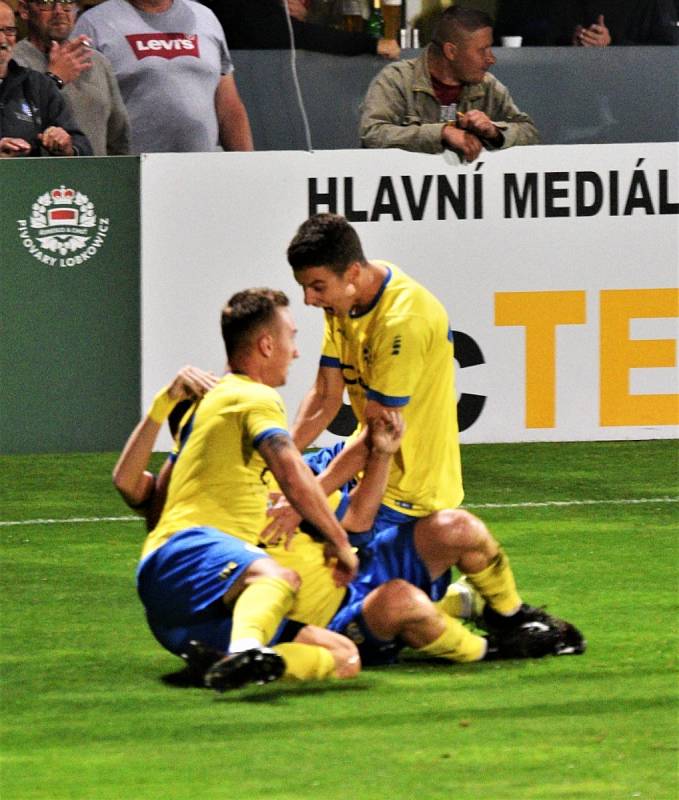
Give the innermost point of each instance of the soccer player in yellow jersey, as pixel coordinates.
(202, 554)
(387, 341)
(404, 568)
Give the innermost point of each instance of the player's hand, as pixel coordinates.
(11, 147)
(478, 123)
(284, 521)
(388, 48)
(191, 383)
(56, 141)
(385, 433)
(466, 143)
(344, 563)
(69, 59)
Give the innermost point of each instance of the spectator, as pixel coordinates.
(446, 98)
(85, 76)
(588, 23)
(262, 25)
(34, 119)
(600, 23)
(175, 74)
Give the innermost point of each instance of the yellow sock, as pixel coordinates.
(452, 603)
(306, 662)
(259, 611)
(496, 584)
(456, 643)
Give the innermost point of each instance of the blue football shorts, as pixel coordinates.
(391, 554)
(182, 583)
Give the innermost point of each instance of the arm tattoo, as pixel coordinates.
(277, 442)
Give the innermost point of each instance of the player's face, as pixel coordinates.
(474, 56)
(325, 289)
(284, 346)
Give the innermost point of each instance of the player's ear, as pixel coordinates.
(22, 8)
(265, 344)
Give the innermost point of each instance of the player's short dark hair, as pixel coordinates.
(455, 23)
(325, 240)
(245, 313)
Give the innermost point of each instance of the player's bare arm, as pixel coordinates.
(343, 468)
(130, 476)
(319, 407)
(305, 495)
(384, 439)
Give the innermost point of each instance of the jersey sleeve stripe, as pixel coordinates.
(267, 434)
(329, 361)
(387, 400)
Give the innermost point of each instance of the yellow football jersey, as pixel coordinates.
(399, 352)
(318, 598)
(219, 478)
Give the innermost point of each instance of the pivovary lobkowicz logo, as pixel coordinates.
(63, 229)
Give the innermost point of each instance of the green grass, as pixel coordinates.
(87, 716)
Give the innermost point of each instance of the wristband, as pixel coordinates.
(161, 407)
(59, 82)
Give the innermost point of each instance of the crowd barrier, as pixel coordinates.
(558, 267)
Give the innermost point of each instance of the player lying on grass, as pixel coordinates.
(403, 594)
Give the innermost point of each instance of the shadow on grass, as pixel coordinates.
(272, 692)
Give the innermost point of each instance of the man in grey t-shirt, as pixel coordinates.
(84, 76)
(175, 74)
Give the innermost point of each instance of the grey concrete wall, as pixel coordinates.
(575, 95)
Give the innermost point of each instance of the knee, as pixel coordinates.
(403, 603)
(465, 531)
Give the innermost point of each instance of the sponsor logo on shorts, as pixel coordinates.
(63, 229)
(228, 571)
(164, 45)
(354, 632)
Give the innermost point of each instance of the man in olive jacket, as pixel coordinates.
(446, 98)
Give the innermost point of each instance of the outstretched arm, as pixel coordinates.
(319, 407)
(384, 439)
(130, 476)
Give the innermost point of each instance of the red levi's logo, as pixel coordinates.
(164, 45)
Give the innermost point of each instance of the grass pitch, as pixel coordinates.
(90, 714)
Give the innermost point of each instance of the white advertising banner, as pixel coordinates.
(558, 266)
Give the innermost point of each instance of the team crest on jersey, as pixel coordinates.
(63, 229)
(164, 45)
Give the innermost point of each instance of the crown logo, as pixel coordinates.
(62, 196)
